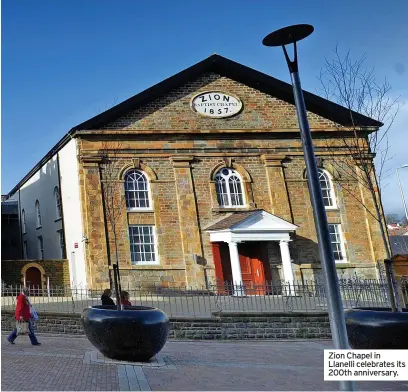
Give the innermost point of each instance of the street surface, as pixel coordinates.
(65, 363)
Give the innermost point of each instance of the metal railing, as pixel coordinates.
(202, 302)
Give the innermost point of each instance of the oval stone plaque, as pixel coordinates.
(216, 104)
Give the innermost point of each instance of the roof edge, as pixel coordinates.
(215, 63)
(54, 150)
(128, 104)
(242, 73)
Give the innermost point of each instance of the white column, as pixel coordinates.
(236, 269)
(286, 263)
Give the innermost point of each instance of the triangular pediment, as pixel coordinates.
(267, 103)
(254, 221)
(264, 221)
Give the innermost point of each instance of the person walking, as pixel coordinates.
(106, 298)
(23, 314)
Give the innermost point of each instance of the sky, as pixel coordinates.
(64, 62)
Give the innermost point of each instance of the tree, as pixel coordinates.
(392, 218)
(353, 85)
(114, 204)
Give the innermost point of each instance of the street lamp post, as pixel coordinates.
(283, 37)
(402, 193)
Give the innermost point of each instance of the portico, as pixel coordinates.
(246, 234)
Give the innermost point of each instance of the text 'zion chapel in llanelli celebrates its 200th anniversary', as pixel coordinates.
(208, 184)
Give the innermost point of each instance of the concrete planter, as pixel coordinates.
(134, 334)
(377, 328)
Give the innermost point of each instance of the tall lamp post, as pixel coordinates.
(402, 193)
(283, 37)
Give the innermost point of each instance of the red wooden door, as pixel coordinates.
(263, 256)
(222, 265)
(33, 280)
(246, 267)
(252, 269)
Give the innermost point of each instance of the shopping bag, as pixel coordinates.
(34, 314)
(22, 327)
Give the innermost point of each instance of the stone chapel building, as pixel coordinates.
(208, 177)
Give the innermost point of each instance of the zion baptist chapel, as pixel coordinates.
(210, 187)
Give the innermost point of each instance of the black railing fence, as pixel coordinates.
(202, 302)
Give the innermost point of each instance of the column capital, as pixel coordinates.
(364, 158)
(182, 161)
(273, 160)
(285, 241)
(88, 158)
(91, 161)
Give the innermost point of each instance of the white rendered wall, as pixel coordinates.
(71, 204)
(41, 187)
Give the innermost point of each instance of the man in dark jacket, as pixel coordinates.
(106, 298)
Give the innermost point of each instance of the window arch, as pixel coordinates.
(137, 190)
(326, 185)
(23, 222)
(58, 205)
(228, 184)
(38, 213)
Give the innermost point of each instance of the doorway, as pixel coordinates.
(252, 268)
(255, 268)
(33, 280)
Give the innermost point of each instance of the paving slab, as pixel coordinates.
(71, 363)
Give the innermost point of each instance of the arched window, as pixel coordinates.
(326, 185)
(38, 213)
(23, 222)
(136, 190)
(57, 198)
(228, 185)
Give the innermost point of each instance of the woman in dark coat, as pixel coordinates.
(106, 298)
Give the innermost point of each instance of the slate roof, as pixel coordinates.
(399, 244)
(232, 220)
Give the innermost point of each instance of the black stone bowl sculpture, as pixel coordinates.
(377, 328)
(136, 333)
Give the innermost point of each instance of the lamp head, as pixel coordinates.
(288, 35)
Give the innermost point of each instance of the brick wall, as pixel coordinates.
(56, 270)
(157, 137)
(254, 326)
(222, 326)
(173, 111)
(166, 216)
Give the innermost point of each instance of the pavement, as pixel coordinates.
(71, 363)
